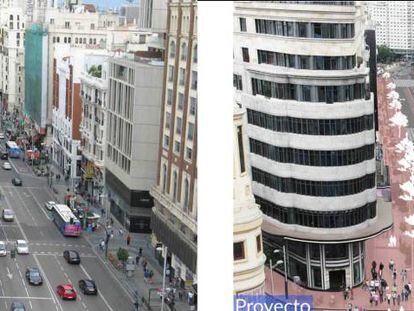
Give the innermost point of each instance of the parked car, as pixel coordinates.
(50, 205)
(6, 166)
(17, 306)
(17, 181)
(33, 276)
(3, 250)
(22, 247)
(4, 156)
(66, 291)
(71, 257)
(88, 287)
(8, 214)
(2, 136)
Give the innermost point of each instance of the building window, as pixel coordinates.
(241, 149)
(193, 105)
(183, 51)
(67, 25)
(195, 54)
(190, 135)
(180, 101)
(175, 185)
(169, 97)
(172, 49)
(186, 194)
(237, 82)
(259, 243)
(166, 141)
(238, 251)
(167, 120)
(194, 80)
(303, 30)
(243, 26)
(177, 147)
(170, 73)
(164, 178)
(188, 153)
(245, 52)
(182, 76)
(178, 126)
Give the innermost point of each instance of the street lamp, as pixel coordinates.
(276, 251)
(279, 262)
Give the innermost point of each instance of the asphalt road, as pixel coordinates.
(46, 245)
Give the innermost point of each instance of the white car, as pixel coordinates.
(22, 247)
(50, 205)
(8, 214)
(3, 251)
(7, 166)
(2, 136)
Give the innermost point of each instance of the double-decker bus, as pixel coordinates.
(13, 149)
(66, 221)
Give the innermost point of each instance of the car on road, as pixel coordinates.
(22, 247)
(17, 181)
(66, 291)
(49, 205)
(71, 257)
(2, 136)
(7, 214)
(7, 166)
(3, 249)
(33, 276)
(17, 306)
(88, 287)
(4, 156)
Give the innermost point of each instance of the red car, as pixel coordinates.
(66, 291)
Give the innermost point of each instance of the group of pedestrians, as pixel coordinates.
(381, 291)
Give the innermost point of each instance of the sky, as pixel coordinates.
(104, 4)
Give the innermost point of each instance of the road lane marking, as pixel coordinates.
(99, 292)
(41, 206)
(14, 166)
(30, 297)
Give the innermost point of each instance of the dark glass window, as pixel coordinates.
(317, 30)
(303, 30)
(298, 248)
(298, 269)
(237, 82)
(336, 251)
(306, 93)
(259, 243)
(304, 62)
(242, 24)
(241, 149)
(315, 253)
(317, 276)
(246, 57)
(238, 251)
(290, 29)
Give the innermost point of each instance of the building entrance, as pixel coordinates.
(337, 279)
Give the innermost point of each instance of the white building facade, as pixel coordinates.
(393, 21)
(301, 72)
(248, 253)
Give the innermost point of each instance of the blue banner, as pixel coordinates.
(273, 303)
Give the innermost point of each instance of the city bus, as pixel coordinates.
(13, 149)
(66, 221)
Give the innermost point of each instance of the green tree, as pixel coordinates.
(385, 55)
(95, 71)
(122, 254)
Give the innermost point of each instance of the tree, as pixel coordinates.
(95, 71)
(385, 54)
(122, 254)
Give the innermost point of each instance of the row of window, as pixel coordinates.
(306, 61)
(312, 157)
(310, 126)
(310, 93)
(239, 251)
(305, 29)
(317, 219)
(314, 188)
(77, 40)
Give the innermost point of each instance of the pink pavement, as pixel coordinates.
(377, 248)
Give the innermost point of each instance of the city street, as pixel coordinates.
(46, 244)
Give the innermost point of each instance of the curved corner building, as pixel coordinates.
(301, 72)
(249, 276)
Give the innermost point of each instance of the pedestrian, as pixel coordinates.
(151, 274)
(394, 274)
(120, 231)
(381, 266)
(140, 251)
(168, 274)
(128, 240)
(381, 295)
(388, 298)
(398, 299)
(144, 264)
(112, 221)
(345, 294)
(190, 297)
(137, 259)
(391, 265)
(404, 276)
(394, 296)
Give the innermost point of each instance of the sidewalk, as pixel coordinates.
(136, 282)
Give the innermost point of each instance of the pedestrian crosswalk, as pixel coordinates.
(82, 255)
